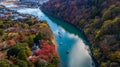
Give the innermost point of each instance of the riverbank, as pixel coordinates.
(80, 29)
(99, 25)
(86, 40)
(26, 41)
(71, 42)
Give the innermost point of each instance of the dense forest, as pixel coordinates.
(100, 21)
(25, 41)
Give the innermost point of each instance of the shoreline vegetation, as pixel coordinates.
(80, 29)
(26, 41)
(101, 26)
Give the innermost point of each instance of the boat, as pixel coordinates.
(60, 36)
(67, 52)
(61, 43)
(59, 33)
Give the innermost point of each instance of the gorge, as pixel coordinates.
(87, 32)
(69, 39)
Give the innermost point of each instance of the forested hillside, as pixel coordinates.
(25, 41)
(99, 19)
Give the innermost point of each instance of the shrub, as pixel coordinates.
(1, 32)
(1, 24)
(112, 7)
(50, 65)
(14, 51)
(105, 28)
(55, 61)
(96, 52)
(111, 26)
(46, 52)
(26, 26)
(81, 23)
(40, 63)
(107, 15)
(42, 25)
(103, 64)
(21, 63)
(115, 55)
(5, 63)
(39, 37)
(22, 55)
(44, 21)
(29, 40)
(116, 10)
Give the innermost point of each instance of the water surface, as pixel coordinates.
(71, 43)
(72, 47)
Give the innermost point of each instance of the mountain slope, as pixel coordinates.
(99, 19)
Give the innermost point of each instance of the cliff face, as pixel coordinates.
(100, 20)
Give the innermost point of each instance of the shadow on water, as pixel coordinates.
(69, 27)
(72, 38)
(72, 29)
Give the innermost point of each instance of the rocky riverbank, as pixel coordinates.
(99, 19)
(25, 41)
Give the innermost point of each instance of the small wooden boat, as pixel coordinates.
(67, 52)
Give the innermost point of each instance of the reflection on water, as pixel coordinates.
(71, 47)
(71, 42)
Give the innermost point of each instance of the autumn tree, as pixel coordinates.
(6, 63)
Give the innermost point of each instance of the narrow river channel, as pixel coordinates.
(72, 45)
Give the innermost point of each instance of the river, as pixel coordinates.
(72, 45)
